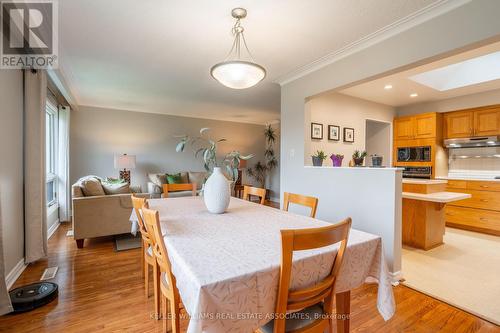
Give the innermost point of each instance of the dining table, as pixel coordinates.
(227, 266)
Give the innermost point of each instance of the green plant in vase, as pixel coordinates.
(261, 169)
(318, 158)
(359, 157)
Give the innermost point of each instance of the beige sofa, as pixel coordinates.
(156, 180)
(100, 215)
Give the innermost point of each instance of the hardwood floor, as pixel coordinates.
(101, 290)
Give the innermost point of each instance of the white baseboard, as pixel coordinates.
(15, 273)
(53, 229)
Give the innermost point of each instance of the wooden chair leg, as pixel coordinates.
(143, 257)
(175, 314)
(167, 326)
(79, 243)
(343, 309)
(156, 287)
(146, 279)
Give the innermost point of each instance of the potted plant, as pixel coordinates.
(318, 158)
(260, 171)
(216, 190)
(359, 157)
(337, 159)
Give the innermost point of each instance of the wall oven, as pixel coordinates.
(417, 172)
(414, 154)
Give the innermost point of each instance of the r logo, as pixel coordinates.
(27, 27)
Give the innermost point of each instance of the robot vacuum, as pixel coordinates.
(30, 297)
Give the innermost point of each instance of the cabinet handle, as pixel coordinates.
(484, 186)
(484, 219)
(484, 200)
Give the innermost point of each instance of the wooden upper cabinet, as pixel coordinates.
(422, 126)
(404, 128)
(487, 122)
(459, 124)
(476, 122)
(425, 126)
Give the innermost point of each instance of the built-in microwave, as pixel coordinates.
(414, 154)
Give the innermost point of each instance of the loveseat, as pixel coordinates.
(156, 181)
(101, 208)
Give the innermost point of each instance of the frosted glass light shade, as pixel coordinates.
(238, 74)
(125, 161)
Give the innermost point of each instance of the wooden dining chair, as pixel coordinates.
(165, 278)
(302, 200)
(310, 309)
(147, 256)
(258, 192)
(178, 187)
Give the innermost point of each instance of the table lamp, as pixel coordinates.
(125, 162)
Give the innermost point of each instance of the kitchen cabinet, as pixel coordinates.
(487, 122)
(476, 122)
(481, 212)
(459, 124)
(403, 128)
(422, 126)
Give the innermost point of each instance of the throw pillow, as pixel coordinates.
(92, 187)
(115, 188)
(174, 178)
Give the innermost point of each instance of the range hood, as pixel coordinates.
(486, 141)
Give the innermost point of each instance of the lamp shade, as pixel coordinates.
(238, 74)
(124, 161)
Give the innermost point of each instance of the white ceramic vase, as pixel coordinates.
(217, 192)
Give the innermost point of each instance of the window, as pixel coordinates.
(51, 150)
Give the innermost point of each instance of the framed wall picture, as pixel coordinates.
(348, 134)
(316, 131)
(333, 132)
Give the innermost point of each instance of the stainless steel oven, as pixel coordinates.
(414, 154)
(417, 172)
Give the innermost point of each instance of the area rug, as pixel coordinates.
(127, 242)
(464, 272)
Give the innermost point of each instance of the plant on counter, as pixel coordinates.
(337, 159)
(318, 158)
(260, 170)
(207, 149)
(358, 157)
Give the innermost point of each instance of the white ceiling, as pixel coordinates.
(403, 85)
(155, 55)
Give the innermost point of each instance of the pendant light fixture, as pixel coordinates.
(234, 72)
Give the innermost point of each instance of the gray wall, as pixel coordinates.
(467, 26)
(11, 166)
(451, 104)
(98, 134)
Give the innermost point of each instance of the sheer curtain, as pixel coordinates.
(35, 205)
(64, 194)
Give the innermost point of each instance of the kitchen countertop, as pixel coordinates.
(477, 178)
(441, 197)
(424, 181)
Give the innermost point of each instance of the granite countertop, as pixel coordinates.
(441, 197)
(424, 181)
(469, 177)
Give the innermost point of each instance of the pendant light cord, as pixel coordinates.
(239, 36)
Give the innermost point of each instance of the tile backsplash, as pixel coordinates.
(475, 160)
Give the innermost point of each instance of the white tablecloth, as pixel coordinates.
(227, 265)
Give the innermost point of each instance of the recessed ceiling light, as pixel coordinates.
(388, 86)
(413, 95)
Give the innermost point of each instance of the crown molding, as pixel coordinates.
(425, 14)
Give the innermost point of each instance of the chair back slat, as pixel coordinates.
(308, 239)
(152, 221)
(179, 187)
(259, 192)
(302, 200)
(139, 204)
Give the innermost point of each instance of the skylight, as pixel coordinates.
(466, 73)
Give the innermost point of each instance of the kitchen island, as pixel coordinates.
(423, 211)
